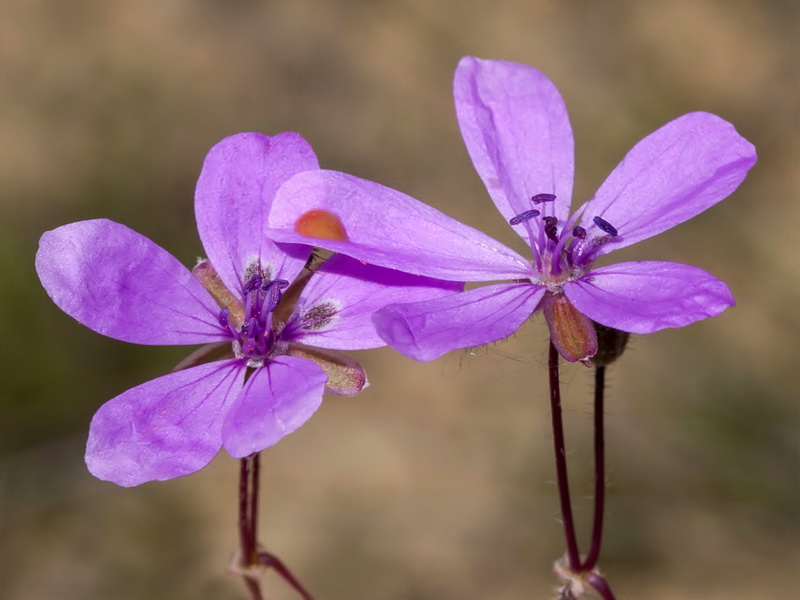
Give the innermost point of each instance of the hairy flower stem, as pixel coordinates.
(599, 471)
(253, 559)
(561, 462)
(248, 518)
(594, 578)
(583, 570)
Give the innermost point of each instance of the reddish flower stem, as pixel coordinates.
(599, 471)
(252, 558)
(253, 587)
(598, 583)
(561, 462)
(270, 560)
(587, 568)
(247, 516)
(255, 485)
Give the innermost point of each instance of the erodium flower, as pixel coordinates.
(517, 132)
(284, 327)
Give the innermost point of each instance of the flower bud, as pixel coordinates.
(610, 345)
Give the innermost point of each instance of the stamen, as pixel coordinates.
(253, 338)
(551, 228)
(223, 317)
(539, 198)
(576, 245)
(250, 328)
(273, 294)
(526, 216)
(253, 283)
(606, 226)
(281, 283)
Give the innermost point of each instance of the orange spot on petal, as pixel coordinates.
(321, 224)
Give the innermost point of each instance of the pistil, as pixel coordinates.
(261, 299)
(559, 255)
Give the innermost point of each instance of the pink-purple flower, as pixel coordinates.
(516, 129)
(281, 327)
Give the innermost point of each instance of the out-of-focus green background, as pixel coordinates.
(437, 482)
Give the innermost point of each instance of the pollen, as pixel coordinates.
(321, 224)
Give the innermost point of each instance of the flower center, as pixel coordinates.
(561, 253)
(254, 339)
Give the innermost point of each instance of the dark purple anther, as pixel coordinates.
(539, 198)
(579, 232)
(551, 228)
(526, 216)
(223, 317)
(272, 290)
(606, 226)
(253, 283)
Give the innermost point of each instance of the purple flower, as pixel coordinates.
(517, 132)
(284, 337)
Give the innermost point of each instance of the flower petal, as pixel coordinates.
(427, 330)
(670, 176)
(119, 283)
(389, 229)
(275, 401)
(165, 428)
(335, 308)
(517, 131)
(234, 193)
(643, 297)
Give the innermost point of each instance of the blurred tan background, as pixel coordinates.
(437, 483)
